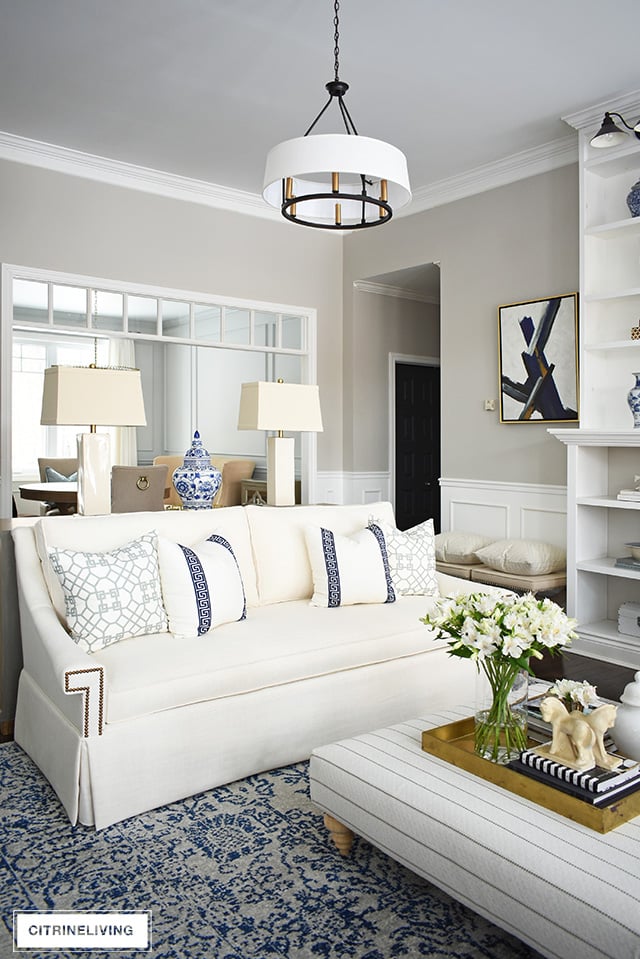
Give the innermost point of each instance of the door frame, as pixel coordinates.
(394, 360)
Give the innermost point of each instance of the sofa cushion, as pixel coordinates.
(201, 585)
(412, 559)
(349, 569)
(456, 546)
(102, 533)
(283, 570)
(524, 557)
(111, 596)
(277, 644)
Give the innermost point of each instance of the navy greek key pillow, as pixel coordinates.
(201, 585)
(349, 569)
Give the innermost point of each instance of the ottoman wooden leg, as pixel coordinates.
(341, 835)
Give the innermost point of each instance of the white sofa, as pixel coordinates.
(153, 719)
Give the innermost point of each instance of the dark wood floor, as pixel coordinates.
(608, 678)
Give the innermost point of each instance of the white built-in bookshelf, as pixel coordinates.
(603, 455)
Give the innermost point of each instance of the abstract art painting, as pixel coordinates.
(539, 360)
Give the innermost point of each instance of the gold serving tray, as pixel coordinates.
(454, 744)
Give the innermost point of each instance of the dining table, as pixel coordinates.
(63, 496)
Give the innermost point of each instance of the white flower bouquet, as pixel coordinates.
(575, 695)
(501, 632)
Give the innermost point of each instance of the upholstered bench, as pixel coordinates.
(522, 565)
(559, 886)
(542, 584)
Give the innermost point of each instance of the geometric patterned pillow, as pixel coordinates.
(349, 569)
(412, 559)
(201, 585)
(111, 596)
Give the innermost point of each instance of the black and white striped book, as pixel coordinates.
(595, 780)
(606, 798)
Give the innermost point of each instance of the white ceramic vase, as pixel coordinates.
(626, 731)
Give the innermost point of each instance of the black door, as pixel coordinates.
(417, 445)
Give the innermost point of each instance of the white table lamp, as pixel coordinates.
(92, 396)
(294, 407)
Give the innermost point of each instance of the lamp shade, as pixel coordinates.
(306, 159)
(92, 396)
(294, 407)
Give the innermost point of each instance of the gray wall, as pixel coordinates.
(382, 325)
(58, 222)
(514, 243)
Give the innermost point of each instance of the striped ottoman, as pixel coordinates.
(562, 888)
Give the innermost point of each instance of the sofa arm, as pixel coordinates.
(67, 675)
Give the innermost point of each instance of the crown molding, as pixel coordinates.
(527, 163)
(519, 166)
(592, 116)
(384, 289)
(117, 173)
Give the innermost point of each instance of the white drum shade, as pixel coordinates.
(311, 160)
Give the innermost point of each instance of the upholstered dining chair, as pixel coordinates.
(57, 469)
(136, 489)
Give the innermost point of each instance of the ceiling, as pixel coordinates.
(204, 88)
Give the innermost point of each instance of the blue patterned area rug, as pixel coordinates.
(245, 871)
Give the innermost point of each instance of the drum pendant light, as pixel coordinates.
(336, 181)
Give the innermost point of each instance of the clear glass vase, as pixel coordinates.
(500, 727)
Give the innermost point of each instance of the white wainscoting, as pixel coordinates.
(505, 510)
(340, 487)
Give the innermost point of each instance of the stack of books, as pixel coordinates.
(597, 786)
(628, 562)
(629, 494)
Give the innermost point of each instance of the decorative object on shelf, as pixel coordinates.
(629, 613)
(294, 407)
(633, 199)
(364, 179)
(501, 632)
(610, 134)
(626, 732)
(577, 738)
(197, 481)
(635, 332)
(633, 399)
(538, 359)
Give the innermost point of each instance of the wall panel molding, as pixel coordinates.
(505, 510)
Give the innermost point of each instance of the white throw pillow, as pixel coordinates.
(349, 569)
(459, 547)
(412, 559)
(201, 585)
(111, 596)
(523, 557)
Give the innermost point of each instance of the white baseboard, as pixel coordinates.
(505, 510)
(622, 651)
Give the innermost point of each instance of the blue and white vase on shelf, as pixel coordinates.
(633, 199)
(197, 481)
(633, 399)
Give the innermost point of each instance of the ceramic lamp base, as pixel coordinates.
(94, 473)
(280, 471)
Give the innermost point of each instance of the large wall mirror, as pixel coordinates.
(194, 351)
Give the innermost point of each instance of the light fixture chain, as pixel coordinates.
(336, 37)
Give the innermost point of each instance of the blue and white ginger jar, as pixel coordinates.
(633, 199)
(197, 481)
